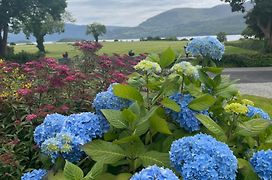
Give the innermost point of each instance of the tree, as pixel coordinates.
(46, 18)
(222, 36)
(260, 16)
(96, 29)
(12, 12)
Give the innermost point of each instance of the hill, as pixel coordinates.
(175, 22)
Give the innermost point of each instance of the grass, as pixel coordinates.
(56, 50)
(261, 102)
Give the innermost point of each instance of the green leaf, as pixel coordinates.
(51, 175)
(153, 57)
(126, 140)
(104, 152)
(154, 157)
(253, 127)
(115, 118)
(203, 76)
(247, 170)
(202, 103)
(72, 172)
(159, 124)
(170, 104)
(127, 92)
(214, 70)
(143, 124)
(212, 126)
(96, 170)
(167, 57)
(128, 115)
(269, 139)
(194, 90)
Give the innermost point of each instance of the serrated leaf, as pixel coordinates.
(170, 104)
(127, 92)
(253, 127)
(96, 170)
(202, 103)
(167, 57)
(115, 118)
(159, 124)
(212, 126)
(72, 172)
(154, 157)
(104, 152)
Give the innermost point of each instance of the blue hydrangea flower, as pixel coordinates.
(87, 126)
(203, 157)
(155, 173)
(49, 128)
(185, 117)
(107, 100)
(253, 111)
(63, 136)
(206, 47)
(262, 164)
(34, 175)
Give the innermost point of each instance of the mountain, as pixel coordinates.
(175, 22)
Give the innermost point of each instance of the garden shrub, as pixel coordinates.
(251, 44)
(144, 134)
(245, 60)
(23, 57)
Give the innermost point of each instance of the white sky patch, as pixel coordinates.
(127, 12)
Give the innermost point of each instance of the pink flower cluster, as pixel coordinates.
(88, 46)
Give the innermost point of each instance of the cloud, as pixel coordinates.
(127, 12)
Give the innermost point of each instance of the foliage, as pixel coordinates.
(258, 19)
(23, 57)
(30, 91)
(46, 18)
(245, 60)
(96, 29)
(222, 36)
(10, 21)
(141, 130)
(251, 44)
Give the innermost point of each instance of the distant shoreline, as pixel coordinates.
(229, 38)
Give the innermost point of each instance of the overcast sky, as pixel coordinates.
(127, 12)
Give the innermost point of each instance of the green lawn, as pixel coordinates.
(57, 49)
(264, 103)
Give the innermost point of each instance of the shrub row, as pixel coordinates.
(245, 60)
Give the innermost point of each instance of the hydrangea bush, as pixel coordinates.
(146, 128)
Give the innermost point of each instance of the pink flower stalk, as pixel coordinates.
(31, 117)
(24, 92)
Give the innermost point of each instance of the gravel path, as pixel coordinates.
(253, 81)
(257, 89)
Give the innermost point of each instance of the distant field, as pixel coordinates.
(56, 50)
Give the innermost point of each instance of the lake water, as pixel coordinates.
(229, 38)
